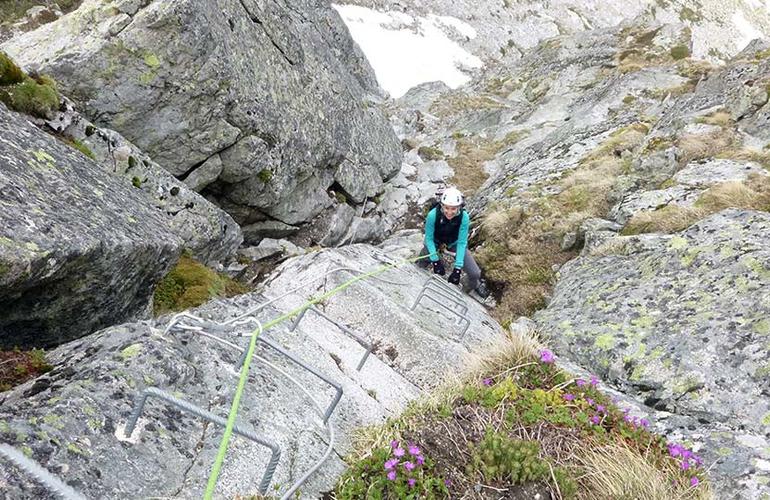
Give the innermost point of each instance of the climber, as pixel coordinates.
(448, 224)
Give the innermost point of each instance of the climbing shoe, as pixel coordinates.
(482, 290)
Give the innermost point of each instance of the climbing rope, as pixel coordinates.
(223, 445)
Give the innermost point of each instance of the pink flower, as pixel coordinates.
(420, 460)
(398, 452)
(412, 481)
(390, 464)
(408, 466)
(645, 423)
(569, 397)
(595, 419)
(414, 450)
(601, 409)
(394, 444)
(392, 475)
(590, 401)
(694, 481)
(546, 356)
(487, 381)
(594, 380)
(580, 382)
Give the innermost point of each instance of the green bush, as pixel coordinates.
(31, 97)
(499, 458)
(9, 72)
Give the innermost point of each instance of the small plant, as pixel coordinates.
(265, 175)
(393, 472)
(429, 153)
(18, 366)
(82, 148)
(31, 97)
(501, 459)
(679, 52)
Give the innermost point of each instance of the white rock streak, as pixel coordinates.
(405, 51)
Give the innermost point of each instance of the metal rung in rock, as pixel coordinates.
(206, 415)
(438, 294)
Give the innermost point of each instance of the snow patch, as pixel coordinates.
(746, 31)
(405, 51)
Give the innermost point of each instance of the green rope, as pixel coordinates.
(252, 345)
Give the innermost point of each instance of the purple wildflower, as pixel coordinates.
(694, 481)
(546, 356)
(595, 419)
(628, 419)
(487, 381)
(412, 481)
(447, 483)
(697, 460)
(392, 475)
(674, 450)
(398, 452)
(390, 464)
(409, 466)
(420, 460)
(590, 401)
(413, 449)
(601, 409)
(394, 444)
(645, 423)
(594, 380)
(569, 397)
(685, 464)
(580, 382)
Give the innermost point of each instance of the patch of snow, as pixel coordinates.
(746, 31)
(405, 51)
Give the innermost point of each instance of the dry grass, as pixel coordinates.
(753, 194)
(471, 154)
(453, 103)
(669, 219)
(522, 245)
(699, 147)
(619, 472)
(721, 118)
(760, 157)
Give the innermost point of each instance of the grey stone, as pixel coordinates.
(434, 171)
(339, 224)
(80, 248)
(82, 405)
(253, 233)
(205, 174)
(678, 321)
(715, 171)
(269, 247)
(288, 101)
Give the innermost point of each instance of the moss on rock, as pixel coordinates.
(190, 284)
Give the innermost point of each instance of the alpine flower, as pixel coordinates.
(694, 481)
(569, 397)
(546, 356)
(398, 452)
(409, 466)
(414, 450)
(412, 481)
(390, 464)
(392, 475)
(487, 381)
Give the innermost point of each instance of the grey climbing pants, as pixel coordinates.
(471, 269)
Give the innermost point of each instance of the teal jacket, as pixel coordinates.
(459, 246)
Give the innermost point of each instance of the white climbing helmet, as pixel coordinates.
(452, 197)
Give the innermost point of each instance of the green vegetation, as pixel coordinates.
(479, 428)
(265, 175)
(190, 284)
(752, 194)
(36, 96)
(81, 147)
(429, 153)
(18, 366)
(522, 244)
(679, 52)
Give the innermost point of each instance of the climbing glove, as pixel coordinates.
(454, 278)
(438, 268)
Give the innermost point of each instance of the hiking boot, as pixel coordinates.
(482, 289)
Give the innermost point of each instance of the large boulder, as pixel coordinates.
(80, 248)
(279, 95)
(72, 420)
(680, 323)
(207, 231)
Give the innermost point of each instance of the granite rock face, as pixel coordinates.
(72, 419)
(680, 322)
(80, 248)
(277, 93)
